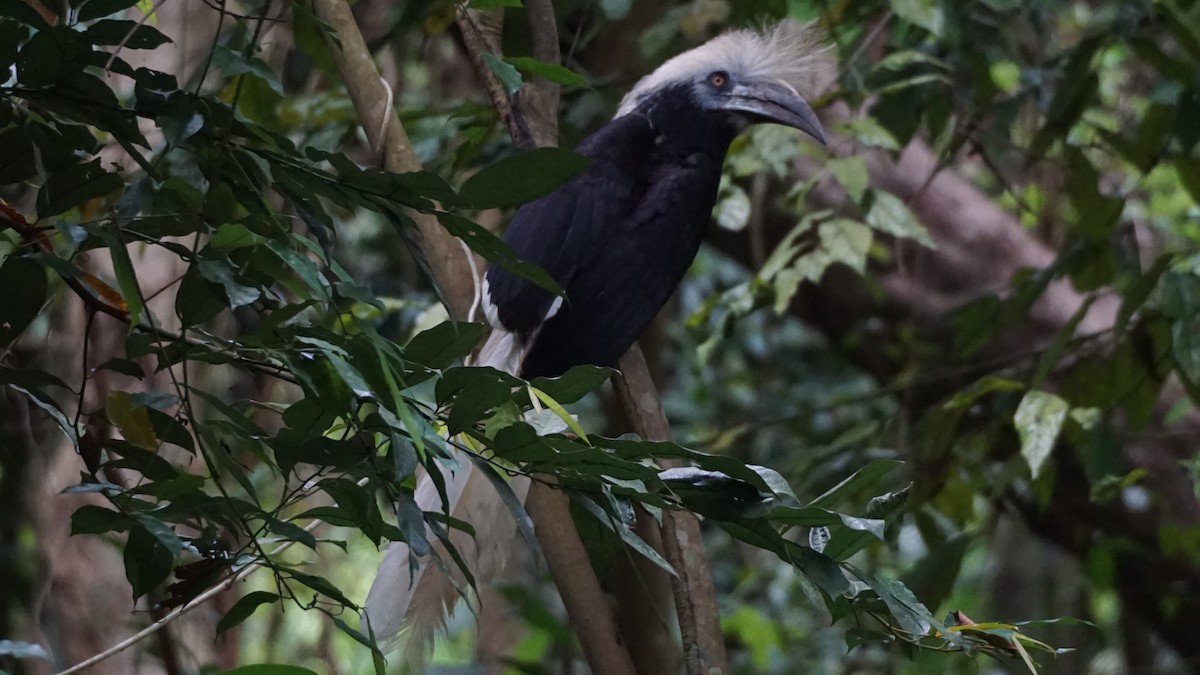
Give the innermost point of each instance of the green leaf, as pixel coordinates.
(222, 272)
(124, 367)
(445, 343)
(890, 215)
(94, 9)
(269, 669)
(631, 539)
(615, 10)
(561, 412)
(1077, 85)
(127, 34)
(64, 190)
(856, 536)
(1188, 169)
(521, 178)
(291, 532)
(198, 299)
(147, 562)
(573, 384)
(1181, 302)
(866, 478)
(161, 531)
(357, 504)
(868, 131)
(232, 236)
(51, 408)
(322, 586)
(493, 4)
(967, 396)
(820, 569)
(903, 605)
(1039, 419)
(715, 495)
(485, 243)
(924, 13)
(50, 55)
(811, 516)
(851, 172)
(92, 519)
(25, 288)
(234, 63)
(1098, 213)
(548, 71)
(126, 276)
(243, 608)
(305, 269)
(509, 77)
(475, 391)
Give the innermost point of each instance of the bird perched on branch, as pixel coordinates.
(620, 236)
(618, 239)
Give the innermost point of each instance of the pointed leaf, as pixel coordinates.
(523, 177)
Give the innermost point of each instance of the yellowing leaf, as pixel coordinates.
(562, 413)
(133, 421)
(105, 292)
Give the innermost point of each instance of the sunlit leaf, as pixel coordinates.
(1039, 419)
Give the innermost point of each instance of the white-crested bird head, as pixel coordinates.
(756, 75)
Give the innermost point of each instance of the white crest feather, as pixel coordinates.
(789, 51)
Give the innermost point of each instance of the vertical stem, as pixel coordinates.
(373, 100)
(589, 611)
(695, 596)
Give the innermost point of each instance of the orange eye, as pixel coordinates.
(718, 79)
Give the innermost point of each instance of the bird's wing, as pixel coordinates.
(556, 232)
(631, 271)
(562, 230)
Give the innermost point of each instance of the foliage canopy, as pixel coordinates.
(280, 396)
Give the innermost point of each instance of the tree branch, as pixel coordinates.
(472, 23)
(560, 542)
(593, 623)
(564, 551)
(372, 99)
(695, 596)
(178, 612)
(539, 98)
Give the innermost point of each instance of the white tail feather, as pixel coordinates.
(502, 351)
(418, 603)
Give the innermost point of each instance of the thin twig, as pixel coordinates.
(10, 217)
(132, 30)
(478, 49)
(384, 130)
(181, 610)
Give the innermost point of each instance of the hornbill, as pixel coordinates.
(617, 239)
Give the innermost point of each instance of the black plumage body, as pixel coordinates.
(618, 238)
